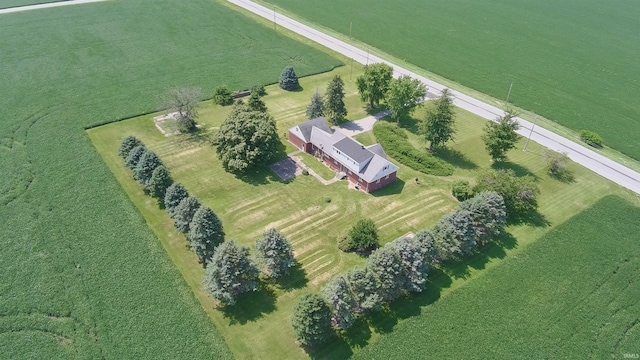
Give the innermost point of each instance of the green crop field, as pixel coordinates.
(572, 294)
(13, 3)
(574, 63)
(83, 275)
(258, 327)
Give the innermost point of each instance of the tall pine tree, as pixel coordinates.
(275, 254)
(230, 273)
(334, 107)
(316, 108)
(205, 233)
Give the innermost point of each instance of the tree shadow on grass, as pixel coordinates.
(391, 189)
(297, 279)
(455, 158)
(342, 344)
(531, 218)
(408, 123)
(251, 306)
(519, 170)
(494, 249)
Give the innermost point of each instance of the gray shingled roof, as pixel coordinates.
(353, 149)
(320, 123)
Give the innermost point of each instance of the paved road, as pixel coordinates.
(45, 6)
(578, 153)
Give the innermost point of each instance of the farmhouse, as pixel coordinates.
(366, 166)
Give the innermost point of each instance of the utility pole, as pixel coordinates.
(530, 133)
(367, 54)
(351, 72)
(509, 94)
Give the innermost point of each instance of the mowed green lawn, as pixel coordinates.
(573, 294)
(574, 63)
(258, 327)
(13, 3)
(83, 276)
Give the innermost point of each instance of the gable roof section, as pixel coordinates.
(378, 150)
(354, 150)
(320, 123)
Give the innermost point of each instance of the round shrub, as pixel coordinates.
(591, 138)
(461, 190)
(289, 79)
(222, 96)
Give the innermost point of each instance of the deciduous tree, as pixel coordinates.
(246, 139)
(184, 102)
(500, 137)
(519, 193)
(159, 183)
(127, 145)
(316, 108)
(557, 165)
(363, 235)
(222, 96)
(184, 212)
(438, 126)
(311, 320)
(275, 254)
(341, 301)
(374, 83)
(289, 79)
(230, 273)
(386, 266)
(404, 95)
(205, 233)
(173, 196)
(334, 108)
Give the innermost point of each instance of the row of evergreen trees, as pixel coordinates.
(397, 269)
(229, 270)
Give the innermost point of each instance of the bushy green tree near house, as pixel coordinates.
(173, 196)
(127, 145)
(230, 273)
(519, 193)
(316, 107)
(274, 254)
(134, 156)
(246, 139)
(412, 257)
(159, 183)
(438, 126)
(404, 95)
(222, 96)
(205, 233)
(289, 79)
(365, 289)
(340, 299)
(385, 264)
(148, 162)
(363, 235)
(311, 320)
(184, 212)
(461, 190)
(500, 136)
(334, 108)
(374, 83)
